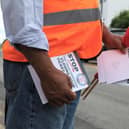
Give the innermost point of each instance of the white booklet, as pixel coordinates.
(113, 66)
(70, 65)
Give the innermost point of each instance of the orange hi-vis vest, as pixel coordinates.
(69, 26)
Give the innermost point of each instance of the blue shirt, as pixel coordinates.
(23, 20)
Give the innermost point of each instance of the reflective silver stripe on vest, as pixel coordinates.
(72, 16)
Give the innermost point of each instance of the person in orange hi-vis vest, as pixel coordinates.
(37, 30)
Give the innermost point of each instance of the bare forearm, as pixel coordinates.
(106, 34)
(112, 41)
(39, 59)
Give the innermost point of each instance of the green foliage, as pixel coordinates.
(121, 21)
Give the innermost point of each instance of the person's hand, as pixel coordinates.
(57, 88)
(113, 41)
(56, 85)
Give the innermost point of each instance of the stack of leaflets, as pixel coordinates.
(70, 65)
(113, 67)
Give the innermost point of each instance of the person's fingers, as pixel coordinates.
(69, 82)
(70, 95)
(60, 101)
(122, 50)
(65, 100)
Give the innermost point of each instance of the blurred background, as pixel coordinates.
(109, 10)
(107, 107)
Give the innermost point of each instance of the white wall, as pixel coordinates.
(2, 34)
(114, 7)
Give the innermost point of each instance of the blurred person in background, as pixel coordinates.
(125, 40)
(36, 31)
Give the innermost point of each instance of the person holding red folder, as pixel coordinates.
(126, 38)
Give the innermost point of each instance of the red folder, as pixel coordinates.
(126, 38)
